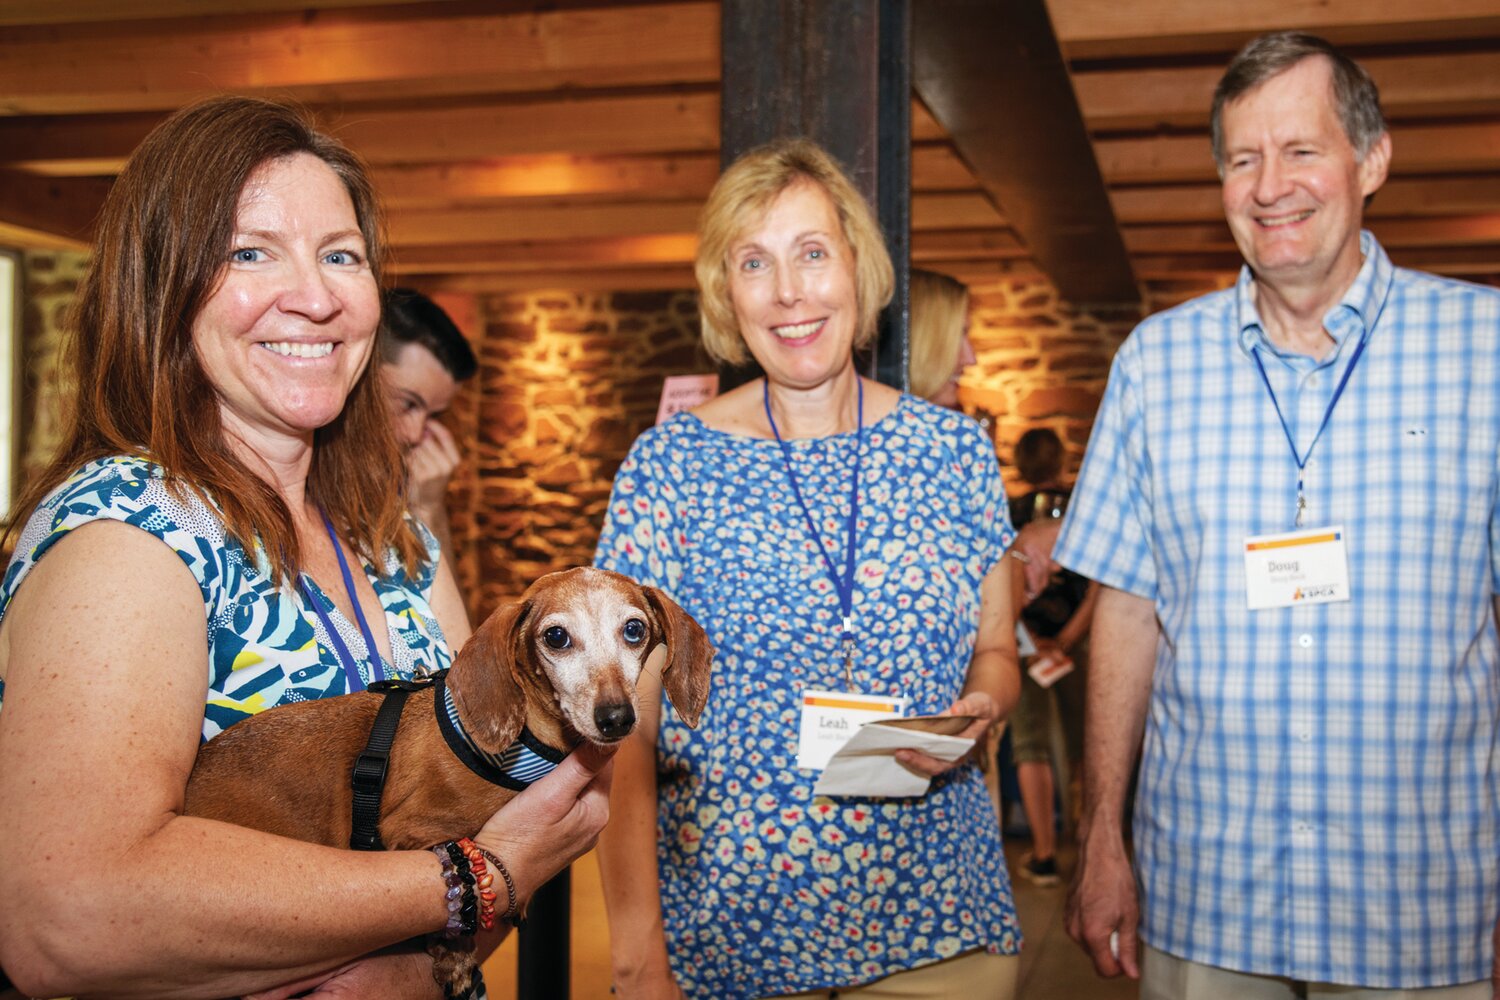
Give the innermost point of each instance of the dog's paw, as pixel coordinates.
(453, 964)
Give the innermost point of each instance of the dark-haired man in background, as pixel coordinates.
(1291, 500)
(423, 358)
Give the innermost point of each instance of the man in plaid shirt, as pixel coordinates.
(1290, 498)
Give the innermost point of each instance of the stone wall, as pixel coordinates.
(1041, 363)
(49, 283)
(567, 381)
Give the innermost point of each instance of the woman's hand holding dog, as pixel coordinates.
(541, 831)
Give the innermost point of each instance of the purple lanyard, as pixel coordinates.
(351, 666)
(844, 585)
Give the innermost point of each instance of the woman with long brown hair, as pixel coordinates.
(186, 561)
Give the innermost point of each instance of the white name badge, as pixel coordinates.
(831, 718)
(1299, 567)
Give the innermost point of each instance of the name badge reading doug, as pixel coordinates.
(831, 718)
(1299, 567)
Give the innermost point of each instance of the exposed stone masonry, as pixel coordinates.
(567, 381)
(49, 284)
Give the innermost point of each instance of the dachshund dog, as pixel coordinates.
(562, 662)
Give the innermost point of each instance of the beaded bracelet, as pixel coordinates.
(483, 879)
(463, 905)
(510, 885)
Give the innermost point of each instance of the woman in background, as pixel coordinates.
(940, 345)
(829, 533)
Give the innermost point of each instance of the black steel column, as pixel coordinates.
(542, 953)
(837, 72)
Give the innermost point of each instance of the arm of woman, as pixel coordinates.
(627, 862)
(110, 888)
(993, 683)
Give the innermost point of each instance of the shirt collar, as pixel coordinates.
(1356, 313)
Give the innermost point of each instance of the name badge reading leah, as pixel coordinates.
(1299, 567)
(831, 718)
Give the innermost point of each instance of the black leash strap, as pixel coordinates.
(371, 766)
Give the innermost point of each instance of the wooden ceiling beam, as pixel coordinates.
(447, 227)
(564, 279)
(993, 76)
(938, 167)
(1399, 197)
(1411, 86)
(650, 176)
(975, 245)
(20, 12)
(532, 255)
(598, 125)
(54, 209)
(1108, 29)
(511, 255)
(161, 65)
(1463, 147)
(618, 125)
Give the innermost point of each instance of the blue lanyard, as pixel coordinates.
(1301, 460)
(351, 667)
(843, 584)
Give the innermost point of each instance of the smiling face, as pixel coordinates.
(289, 327)
(417, 387)
(1294, 189)
(792, 282)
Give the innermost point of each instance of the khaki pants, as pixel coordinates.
(1166, 977)
(974, 975)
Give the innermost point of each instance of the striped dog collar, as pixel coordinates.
(515, 767)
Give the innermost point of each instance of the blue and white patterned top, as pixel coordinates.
(765, 889)
(1320, 791)
(265, 646)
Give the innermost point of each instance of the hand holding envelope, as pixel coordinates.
(866, 765)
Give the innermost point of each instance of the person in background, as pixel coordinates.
(1058, 616)
(829, 533)
(1058, 622)
(1292, 501)
(940, 353)
(424, 357)
(181, 566)
(940, 345)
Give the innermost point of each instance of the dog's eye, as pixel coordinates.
(635, 630)
(557, 637)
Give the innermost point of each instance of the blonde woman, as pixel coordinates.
(829, 533)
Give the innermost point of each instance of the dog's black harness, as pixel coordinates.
(371, 766)
(523, 762)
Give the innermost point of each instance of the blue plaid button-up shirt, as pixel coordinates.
(1320, 786)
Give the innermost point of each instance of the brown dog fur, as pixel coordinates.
(287, 770)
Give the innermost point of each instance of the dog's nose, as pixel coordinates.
(614, 721)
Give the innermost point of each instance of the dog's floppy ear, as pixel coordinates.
(483, 680)
(685, 677)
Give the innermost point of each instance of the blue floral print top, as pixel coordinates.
(766, 889)
(265, 646)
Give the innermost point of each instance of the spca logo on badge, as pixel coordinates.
(1314, 593)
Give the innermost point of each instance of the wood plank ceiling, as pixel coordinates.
(569, 144)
